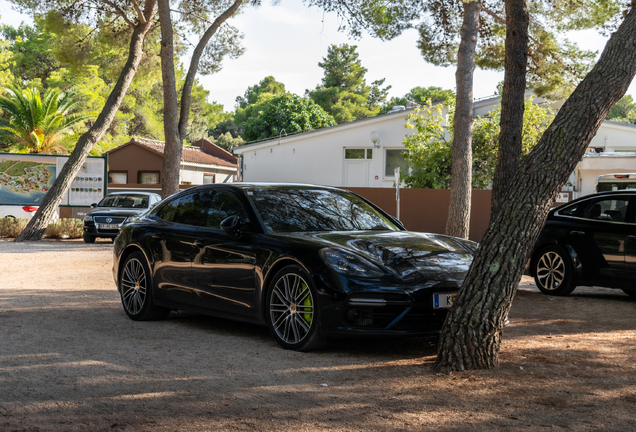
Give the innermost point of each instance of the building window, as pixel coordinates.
(359, 153)
(208, 179)
(117, 177)
(148, 177)
(395, 159)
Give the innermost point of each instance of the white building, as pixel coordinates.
(365, 152)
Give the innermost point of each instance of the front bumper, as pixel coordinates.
(385, 313)
(91, 230)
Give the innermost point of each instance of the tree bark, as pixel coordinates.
(173, 141)
(458, 221)
(175, 126)
(512, 100)
(36, 226)
(471, 336)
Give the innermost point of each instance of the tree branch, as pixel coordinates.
(119, 12)
(140, 14)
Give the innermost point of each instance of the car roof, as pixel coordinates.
(132, 193)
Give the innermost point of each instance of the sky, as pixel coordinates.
(287, 41)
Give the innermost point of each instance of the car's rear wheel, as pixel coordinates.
(292, 312)
(629, 292)
(88, 238)
(553, 272)
(135, 287)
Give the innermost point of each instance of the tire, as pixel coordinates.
(631, 293)
(135, 288)
(88, 238)
(291, 310)
(553, 272)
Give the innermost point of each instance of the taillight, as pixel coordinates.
(29, 209)
(621, 176)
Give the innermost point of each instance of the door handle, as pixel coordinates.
(577, 232)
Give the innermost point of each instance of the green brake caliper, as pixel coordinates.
(307, 302)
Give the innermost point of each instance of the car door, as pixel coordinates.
(630, 243)
(599, 234)
(224, 267)
(173, 245)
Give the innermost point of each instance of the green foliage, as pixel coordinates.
(624, 110)
(268, 85)
(286, 114)
(421, 96)
(60, 229)
(59, 53)
(38, 123)
(344, 92)
(65, 229)
(12, 227)
(255, 99)
(429, 148)
(227, 141)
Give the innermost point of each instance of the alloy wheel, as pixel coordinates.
(550, 270)
(134, 286)
(291, 308)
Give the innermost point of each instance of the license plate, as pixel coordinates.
(108, 226)
(443, 300)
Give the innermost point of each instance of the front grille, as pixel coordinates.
(115, 219)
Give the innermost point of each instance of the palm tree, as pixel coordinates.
(37, 124)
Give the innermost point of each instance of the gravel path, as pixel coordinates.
(70, 360)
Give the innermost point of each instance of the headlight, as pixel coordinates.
(130, 219)
(349, 264)
(88, 218)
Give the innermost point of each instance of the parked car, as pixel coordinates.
(116, 208)
(21, 211)
(307, 261)
(612, 182)
(590, 241)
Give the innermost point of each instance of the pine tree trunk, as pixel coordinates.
(512, 100)
(176, 125)
(36, 226)
(173, 142)
(458, 221)
(471, 336)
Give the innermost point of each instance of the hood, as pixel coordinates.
(116, 211)
(414, 257)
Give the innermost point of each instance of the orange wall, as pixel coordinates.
(426, 210)
(133, 159)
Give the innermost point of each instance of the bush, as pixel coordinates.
(60, 229)
(11, 227)
(65, 228)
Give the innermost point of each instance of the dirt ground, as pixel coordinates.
(70, 360)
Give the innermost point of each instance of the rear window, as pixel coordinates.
(606, 186)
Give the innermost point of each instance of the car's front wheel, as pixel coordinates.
(292, 313)
(553, 272)
(135, 287)
(88, 238)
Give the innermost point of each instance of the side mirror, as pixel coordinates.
(93, 205)
(232, 225)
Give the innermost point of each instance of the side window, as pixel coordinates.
(571, 210)
(223, 205)
(187, 209)
(610, 209)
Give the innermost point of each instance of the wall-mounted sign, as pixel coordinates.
(25, 179)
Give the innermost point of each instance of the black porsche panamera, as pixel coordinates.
(310, 262)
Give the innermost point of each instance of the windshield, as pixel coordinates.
(293, 209)
(607, 186)
(126, 201)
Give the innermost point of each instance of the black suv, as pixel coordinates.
(590, 241)
(113, 210)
